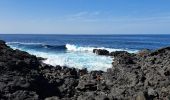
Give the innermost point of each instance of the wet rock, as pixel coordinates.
(100, 51)
(96, 75)
(117, 53)
(82, 71)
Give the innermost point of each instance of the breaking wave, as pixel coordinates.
(72, 47)
(69, 47)
(75, 56)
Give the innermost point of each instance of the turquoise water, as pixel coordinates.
(76, 50)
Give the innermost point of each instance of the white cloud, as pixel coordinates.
(80, 14)
(84, 15)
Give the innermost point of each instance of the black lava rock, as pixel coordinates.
(141, 76)
(101, 51)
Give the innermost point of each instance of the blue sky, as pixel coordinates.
(85, 16)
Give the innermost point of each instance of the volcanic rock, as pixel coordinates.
(100, 51)
(141, 76)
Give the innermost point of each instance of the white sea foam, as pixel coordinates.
(78, 57)
(74, 59)
(89, 61)
(77, 60)
(72, 47)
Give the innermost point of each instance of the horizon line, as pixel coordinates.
(83, 34)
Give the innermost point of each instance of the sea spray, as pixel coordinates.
(71, 55)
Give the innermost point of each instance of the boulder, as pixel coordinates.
(117, 53)
(100, 51)
(123, 57)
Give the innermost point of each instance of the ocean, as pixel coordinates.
(76, 50)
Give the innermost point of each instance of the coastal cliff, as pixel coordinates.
(141, 76)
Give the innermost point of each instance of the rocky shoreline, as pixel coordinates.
(141, 76)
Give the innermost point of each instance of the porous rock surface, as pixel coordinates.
(141, 76)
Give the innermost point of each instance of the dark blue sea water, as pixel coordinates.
(76, 50)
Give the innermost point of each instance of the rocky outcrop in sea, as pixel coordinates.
(141, 76)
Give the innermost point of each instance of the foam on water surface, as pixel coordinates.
(73, 59)
(74, 56)
(76, 50)
(72, 47)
